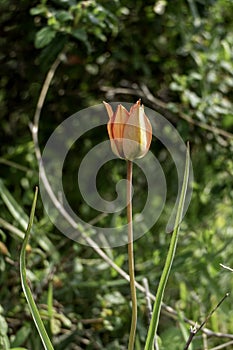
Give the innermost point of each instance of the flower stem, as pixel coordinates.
(131, 256)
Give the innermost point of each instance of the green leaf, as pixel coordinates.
(79, 34)
(44, 37)
(3, 326)
(93, 19)
(171, 339)
(22, 218)
(169, 260)
(27, 292)
(64, 16)
(4, 341)
(50, 303)
(39, 10)
(21, 335)
(13, 207)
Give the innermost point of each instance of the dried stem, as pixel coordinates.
(222, 346)
(194, 330)
(226, 267)
(163, 107)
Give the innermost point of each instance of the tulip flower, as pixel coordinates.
(130, 132)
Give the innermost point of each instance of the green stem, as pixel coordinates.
(131, 256)
(27, 292)
(169, 260)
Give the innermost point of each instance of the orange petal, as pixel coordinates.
(137, 133)
(109, 109)
(119, 120)
(115, 127)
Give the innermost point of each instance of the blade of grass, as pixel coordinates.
(169, 260)
(50, 308)
(183, 327)
(13, 207)
(22, 218)
(12, 229)
(14, 165)
(27, 292)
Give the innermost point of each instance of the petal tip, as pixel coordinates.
(109, 109)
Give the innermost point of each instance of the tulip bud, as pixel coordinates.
(130, 132)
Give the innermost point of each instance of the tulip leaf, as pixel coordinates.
(169, 260)
(27, 292)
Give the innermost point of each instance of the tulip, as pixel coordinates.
(130, 132)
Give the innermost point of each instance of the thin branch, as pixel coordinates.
(211, 313)
(148, 300)
(145, 93)
(46, 85)
(222, 346)
(34, 130)
(194, 330)
(226, 267)
(205, 341)
(14, 165)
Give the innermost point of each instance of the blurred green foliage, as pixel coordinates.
(183, 52)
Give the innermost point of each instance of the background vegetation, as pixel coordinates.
(178, 57)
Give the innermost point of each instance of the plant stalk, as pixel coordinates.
(131, 257)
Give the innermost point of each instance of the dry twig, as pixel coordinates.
(194, 330)
(163, 107)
